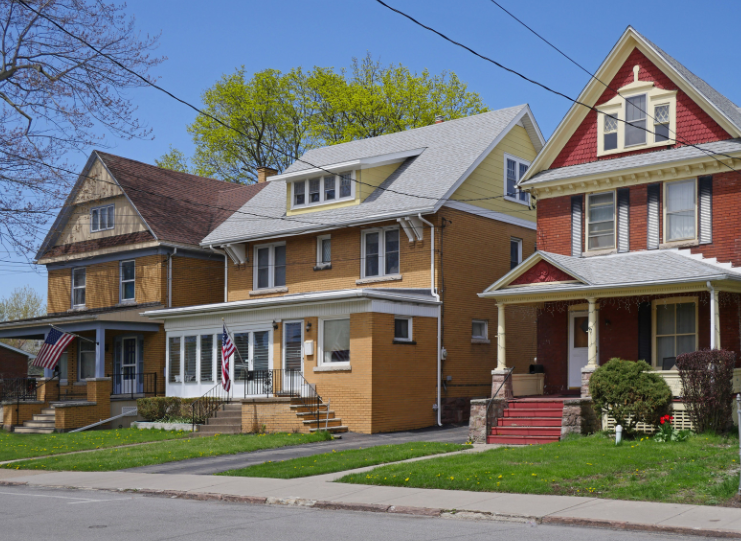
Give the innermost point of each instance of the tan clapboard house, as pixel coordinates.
(127, 240)
(354, 274)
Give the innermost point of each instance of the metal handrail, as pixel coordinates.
(204, 408)
(488, 405)
(148, 382)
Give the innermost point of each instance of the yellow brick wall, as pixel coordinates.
(25, 412)
(68, 417)
(301, 260)
(59, 288)
(197, 281)
(270, 415)
(151, 279)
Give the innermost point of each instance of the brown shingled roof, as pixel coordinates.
(178, 207)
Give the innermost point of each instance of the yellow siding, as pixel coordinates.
(487, 180)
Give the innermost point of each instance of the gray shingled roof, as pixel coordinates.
(624, 270)
(635, 161)
(417, 186)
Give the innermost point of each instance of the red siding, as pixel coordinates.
(726, 244)
(12, 364)
(693, 124)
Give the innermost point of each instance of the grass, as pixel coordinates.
(14, 446)
(344, 460)
(167, 451)
(703, 470)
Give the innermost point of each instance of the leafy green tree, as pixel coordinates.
(175, 160)
(283, 115)
(22, 303)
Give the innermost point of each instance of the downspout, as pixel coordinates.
(169, 277)
(226, 270)
(433, 290)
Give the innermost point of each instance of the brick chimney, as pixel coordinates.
(263, 173)
(439, 119)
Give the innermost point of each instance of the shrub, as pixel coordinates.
(707, 387)
(165, 408)
(630, 393)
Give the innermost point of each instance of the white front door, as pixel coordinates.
(578, 346)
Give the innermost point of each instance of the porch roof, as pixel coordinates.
(125, 318)
(415, 296)
(632, 270)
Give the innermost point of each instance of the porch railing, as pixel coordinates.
(133, 384)
(17, 388)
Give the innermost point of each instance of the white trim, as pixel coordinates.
(320, 350)
(664, 209)
(654, 325)
(271, 266)
(75, 269)
(319, 250)
(409, 338)
(291, 187)
(518, 161)
(79, 359)
(525, 112)
(491, 214)
(381, 252)
(132, 300)
(614, 222)
(519, 251)
(283, 343)
(402, 309)
(486, 329)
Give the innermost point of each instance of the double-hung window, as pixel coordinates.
(78, 287)
(101, 218)
(610, 132)
(676, 329)
(86, 361)
(128, 281)
(635, 120)
(680, 221)
(601, 221)
(515, 252)
(380, 252)
(270, 266)
(324, 251)
(323, 190)
(514, 170)
(335, 341)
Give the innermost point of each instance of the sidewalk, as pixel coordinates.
(320, 492)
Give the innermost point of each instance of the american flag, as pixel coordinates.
(227, 350)
(54, 345)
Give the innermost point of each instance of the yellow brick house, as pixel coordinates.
(355, 273)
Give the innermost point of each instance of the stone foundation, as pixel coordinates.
(586, 375)
(579, 417)
(478, 424)
(497, 389)
(456, 410)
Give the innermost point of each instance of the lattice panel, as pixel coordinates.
(682, 421)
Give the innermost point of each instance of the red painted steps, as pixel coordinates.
(529, 421)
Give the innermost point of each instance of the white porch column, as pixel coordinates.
(714, 318)
(501, 348)
(593, 334)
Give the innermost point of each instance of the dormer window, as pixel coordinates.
(323, 190)
(661, 123)
(610, 132)
(635, 121)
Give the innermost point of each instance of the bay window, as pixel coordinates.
(601, 221)
(680, 221)
(380, 252)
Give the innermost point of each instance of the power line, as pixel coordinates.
(543, 86)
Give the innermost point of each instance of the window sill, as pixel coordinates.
(80, 384)
(687, 243)
(515, 200)
(404, 342)
(480, 341)
(79, 308)
(375, 279)
(323, 266)
(592, 253)
(632, 148)
(329, 368)
(268, 291)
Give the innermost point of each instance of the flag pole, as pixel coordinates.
(73, 334)
(231, 336)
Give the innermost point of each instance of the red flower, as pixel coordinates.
(662, 420)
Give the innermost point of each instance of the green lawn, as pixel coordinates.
(344, 460)
(167, 451)
(702, 470)
(13, 446)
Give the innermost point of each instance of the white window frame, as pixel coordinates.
(615, 131)
(518, 162)
(519, 251)
(654, 121)
(614, 222)
(654, 324)
(271, 265)
(79, 359)
(627, 122)
(486, 329)
(381, 251)
(73, 288)
(410, 338)
(665, 199)
(320, 349)
(121, 282)
(322, 194)
(319, 251)
(98, 209)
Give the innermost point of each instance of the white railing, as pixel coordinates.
(675, 383)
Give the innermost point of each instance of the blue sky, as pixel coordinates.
(204, 40)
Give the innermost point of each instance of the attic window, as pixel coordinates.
(101, 218)
(323, 190)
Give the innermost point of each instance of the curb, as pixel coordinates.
(459, 514)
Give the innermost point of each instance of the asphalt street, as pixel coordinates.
(79, 515)
(350, 440)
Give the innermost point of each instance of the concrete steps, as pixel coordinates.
(42, 423)
(528, 422)
(226, 420)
